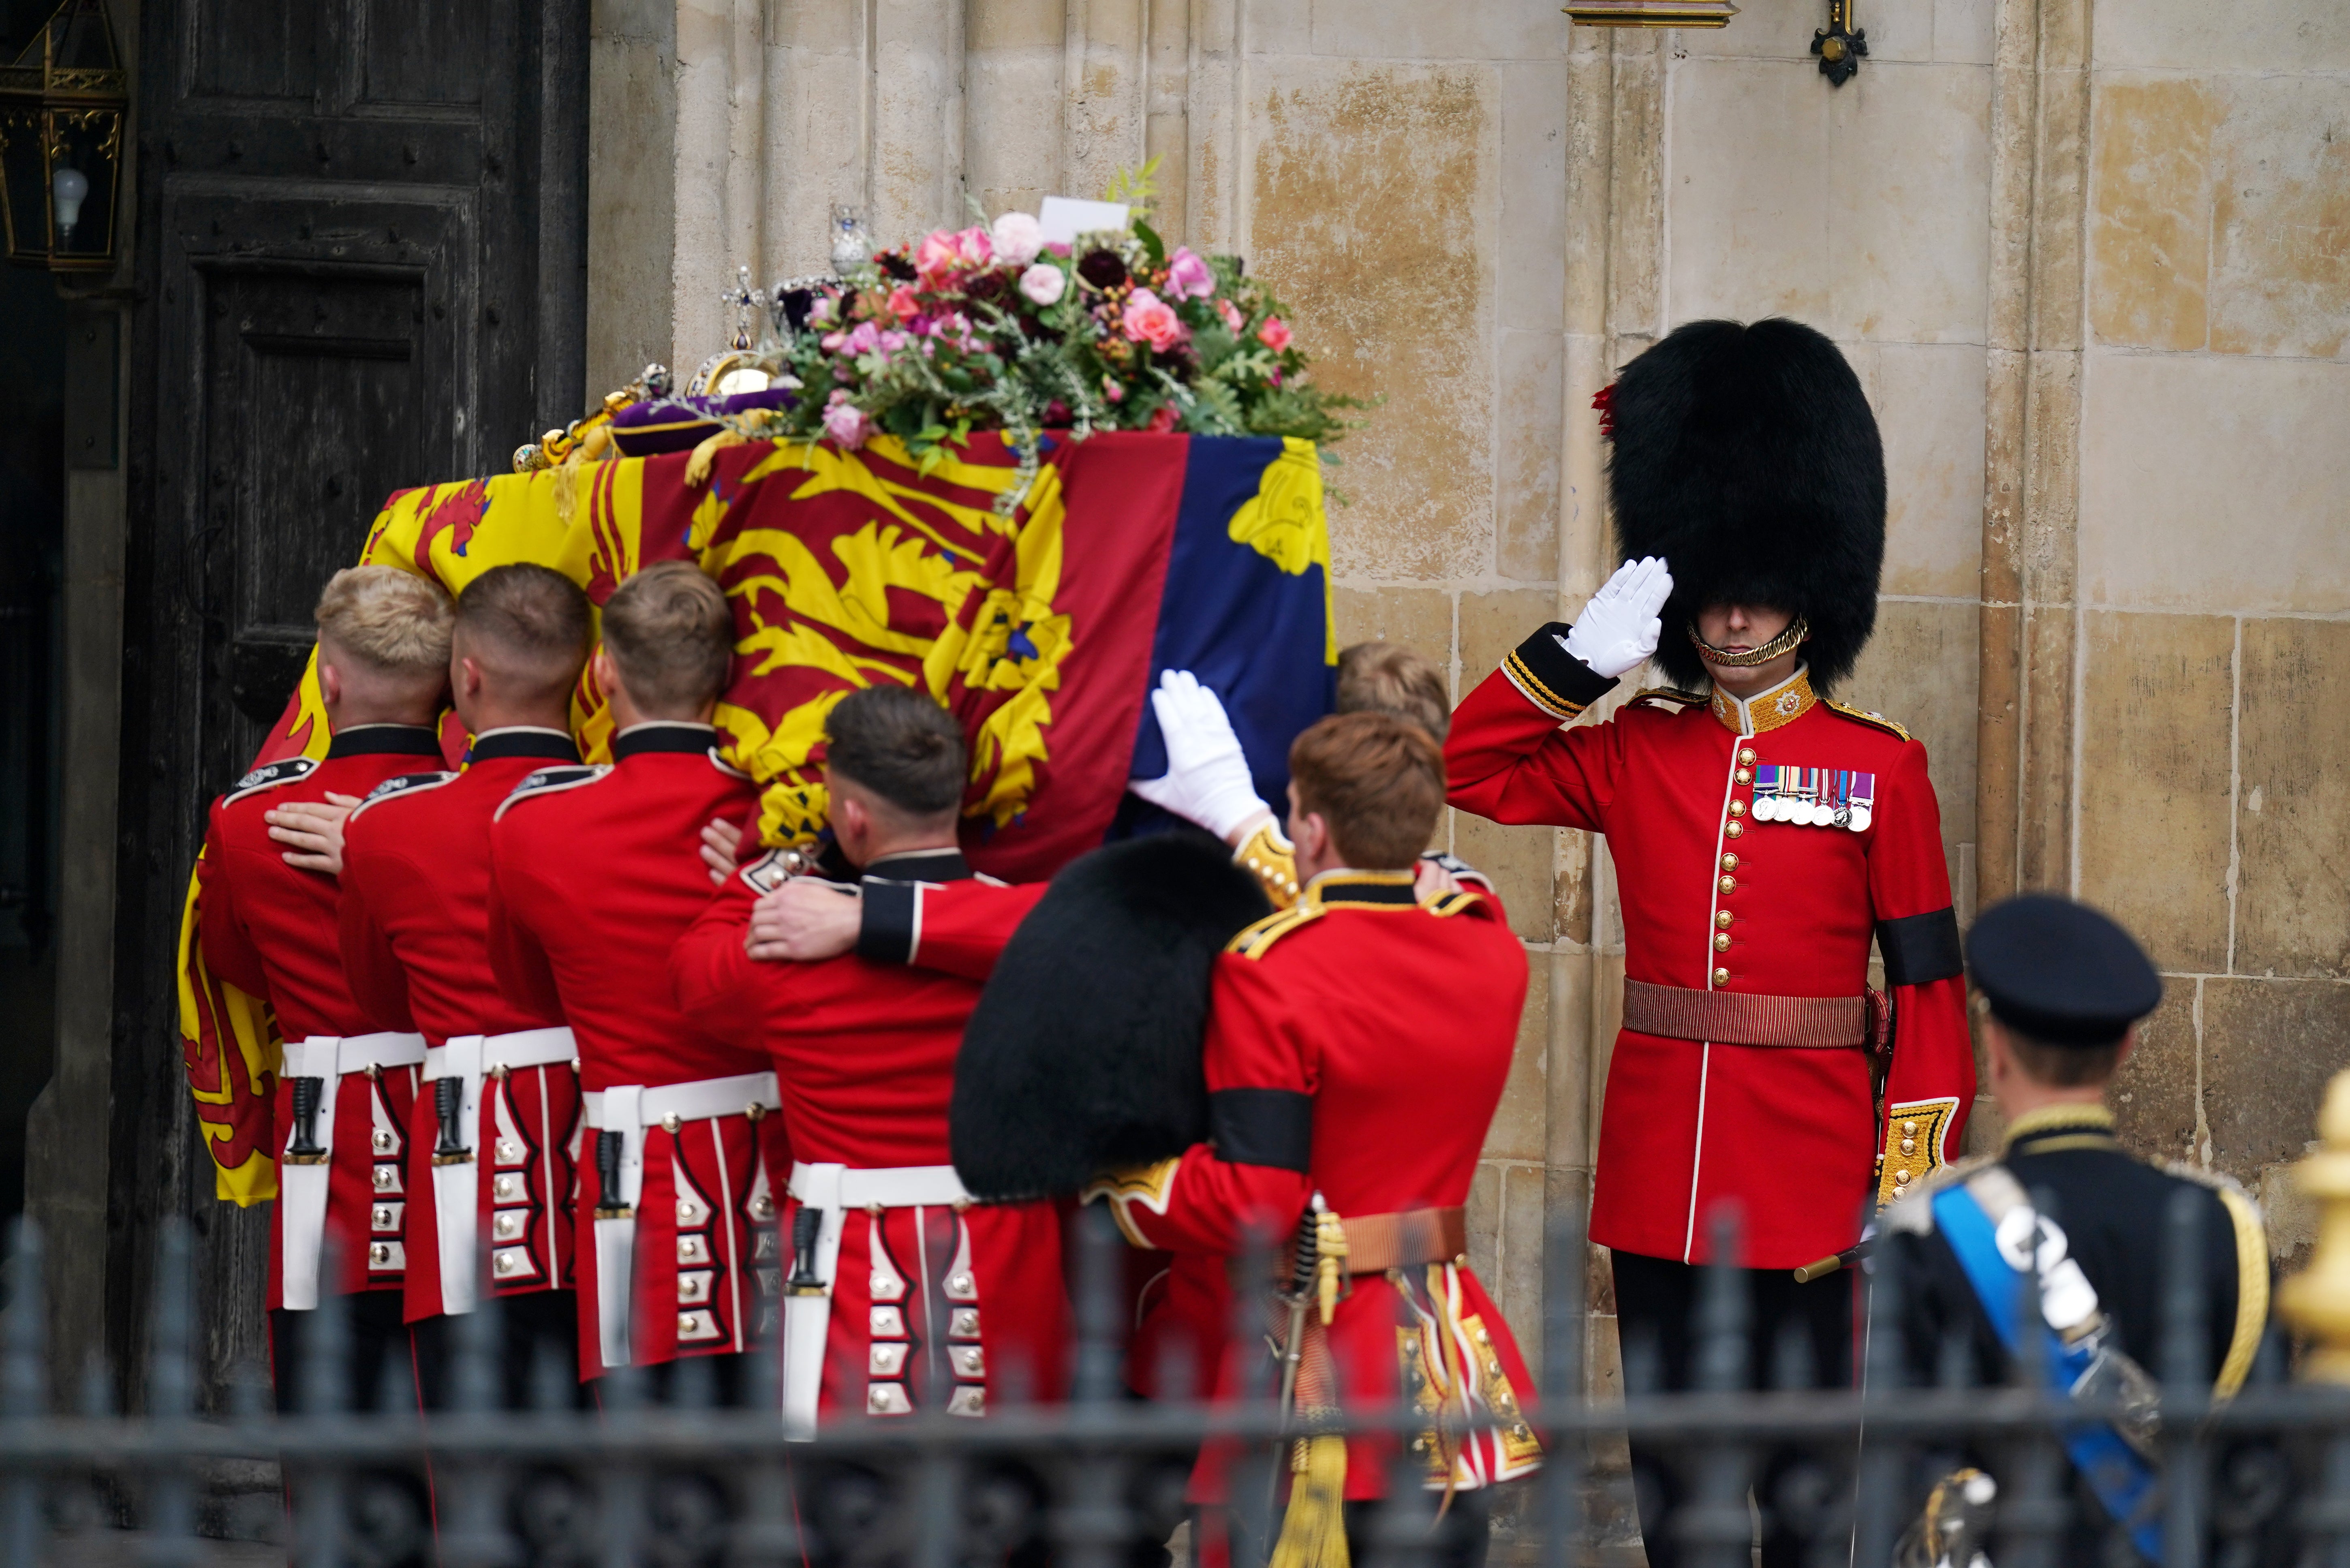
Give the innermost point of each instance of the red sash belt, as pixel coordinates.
(1743, 1018)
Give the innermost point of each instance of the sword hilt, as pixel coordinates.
(305, 1148)
(1820, 1267)
(449, 1105)
(609, 1146)
(807, 1224)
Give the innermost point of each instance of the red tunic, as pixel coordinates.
(268, 929)
(586, 937)
(932, 1307)
(1358, 1045)
(1717, 900)
(414, 922)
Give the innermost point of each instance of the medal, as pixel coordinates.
(1766, 793)
(1842, 814)
(1863, 797)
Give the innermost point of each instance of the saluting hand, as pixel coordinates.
(315, 830)
(1617, 630)
(803, 920)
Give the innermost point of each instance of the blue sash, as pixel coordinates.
(2124, 1482)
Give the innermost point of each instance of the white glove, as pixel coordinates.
(1617, 630)
(1206, 777)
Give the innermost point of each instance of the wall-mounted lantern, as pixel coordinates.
(62, 106)
(1651, 13)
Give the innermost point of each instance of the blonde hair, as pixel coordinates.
(670, 634)
(1388, 678)
(389, 621)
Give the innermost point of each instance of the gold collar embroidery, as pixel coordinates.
(2059, 1119)
(1766, 710)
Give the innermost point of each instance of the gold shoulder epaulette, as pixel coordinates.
(1255, 938)
(1671, 696)
(1862, 714)
(2252, 1239)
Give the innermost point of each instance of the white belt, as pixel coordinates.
(302, 1189)
(832, 1191)
(628, 1111)
(456, 1186)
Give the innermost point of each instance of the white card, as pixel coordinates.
(1064, 218)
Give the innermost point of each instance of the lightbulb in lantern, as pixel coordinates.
(68, 187)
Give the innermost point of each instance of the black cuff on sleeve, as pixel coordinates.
(1552, 677)
(1920, 948)
(884, 932)
(1262, 1127)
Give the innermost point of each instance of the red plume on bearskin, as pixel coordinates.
(1083, 1055)
(1746, 456)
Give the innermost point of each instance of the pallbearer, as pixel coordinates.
(1763, 836)
(902, 1295)
(595, 879)
(1356, 1048)
(495, 1132)
(350, 1069)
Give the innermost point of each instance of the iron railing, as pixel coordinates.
(2263, 1478)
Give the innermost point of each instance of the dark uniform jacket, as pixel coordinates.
(2113, 1210)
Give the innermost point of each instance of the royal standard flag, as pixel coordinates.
(1041, 626)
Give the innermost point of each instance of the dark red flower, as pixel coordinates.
(1103, 269)
(1604, 400)
(896, 265)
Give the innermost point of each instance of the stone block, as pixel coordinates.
(1966, 31)
(631, 200)
(2264, 36)
(2215, 482)
(2292, 899)
(2044, 845)
(2154, 825)
(1516, 1282)
(1781, 30)
(1014, 60)
(1420, 618)
(1905, 247)
(1921, 669)
(1930, 400)
(1567, 1082)
(2150, 210)
(1375, 200)
(1528, 417)
(2269, 1047)
(1519, 1130)
(1746, 240)
(1484, 1217)
(1534, 182)
(2280, 266)
(2154, 1097)
(1403, 29)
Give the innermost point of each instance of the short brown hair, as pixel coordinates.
(2062, 1067)
(897, 744)
(1388, 678)
(392, 621)
(1378, 780)
(529, 625)
(670, 634)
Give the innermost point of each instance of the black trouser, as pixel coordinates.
(1798, 1491)
(546, 1506)
(865, 1516)
(391, 1507)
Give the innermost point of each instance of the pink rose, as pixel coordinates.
(1043, 282)
(846, 423)
(1189, 277)
(832, 342)
(1017, 239)
(943, 254)
(1150, 319)
(1274, 333)
(862, 338)
(902, 304)
(1232, 314)
(1112, 390)
(820, 314)
(1162, 419)
(889, 342)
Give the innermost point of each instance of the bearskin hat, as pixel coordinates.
(1083, 1055)
(1745, 455)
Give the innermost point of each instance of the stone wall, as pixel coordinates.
(2088, 259)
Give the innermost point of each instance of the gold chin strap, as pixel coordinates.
(1786, 641)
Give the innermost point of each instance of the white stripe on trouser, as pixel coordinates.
(832, 1191)
(456, 1188)
(303, 1190)
(628, 1111)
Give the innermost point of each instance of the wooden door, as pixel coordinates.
(362, 243)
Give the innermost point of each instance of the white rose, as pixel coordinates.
(1043, 282)
(1017, 239)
